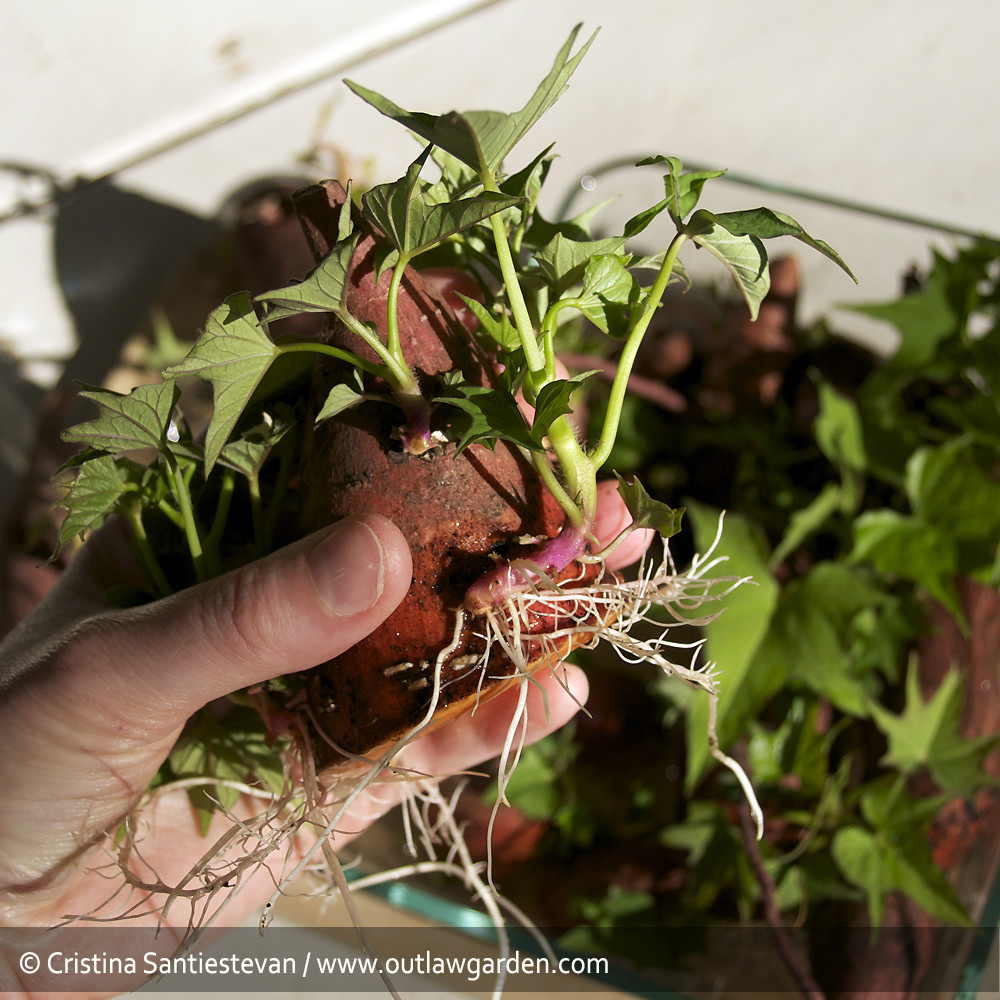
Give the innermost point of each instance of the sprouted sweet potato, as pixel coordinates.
(458, 429)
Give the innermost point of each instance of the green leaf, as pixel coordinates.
(717, 861)
(413, 224)
(92, 496)
(925, 319)
(553, 402)
(809, 519)
(895, 854)
(233, 354)
(734, 638)
(683, 190)
(497, 326)
(951, 487)
(341, 397)
(609, 292)
(492, 415)
(235, 749)
(928, 734)
(838, 430)
(482, 139)
(322, 290)
(140, 419)
(798, 746)
(743, 255)
(250, 450)
(640, 221)
(812, 631)
(766, 224)
(647, 512)
(861, 858)
(563, 260)
(909, 547)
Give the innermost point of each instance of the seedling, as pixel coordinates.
(410, 408)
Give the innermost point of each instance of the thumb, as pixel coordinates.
(292, 610)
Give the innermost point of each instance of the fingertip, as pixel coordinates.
(397, 563)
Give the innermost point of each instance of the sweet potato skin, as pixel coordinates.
(457, 511)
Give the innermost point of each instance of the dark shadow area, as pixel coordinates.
(113, 251)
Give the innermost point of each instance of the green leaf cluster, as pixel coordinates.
(849, 529)
(910, 502)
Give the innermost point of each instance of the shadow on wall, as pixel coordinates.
(117, 255)
(113, 251)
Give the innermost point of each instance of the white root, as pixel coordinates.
(296, 830)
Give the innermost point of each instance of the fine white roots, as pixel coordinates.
(296, 832)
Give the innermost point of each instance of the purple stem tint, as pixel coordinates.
(415, 434)
(496, 586)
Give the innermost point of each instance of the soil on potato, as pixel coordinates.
(458, 511)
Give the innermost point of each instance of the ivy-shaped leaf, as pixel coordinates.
(766, 224)
(412, 223)
(140, 419)
(894, 854)
(563, 261)
(743, 255)
(554, 401)
(236, 750)
(322, 290)
(838, 430)
(928, 735)
(812, 631)
(925, 319)
(233, 354)
(93, 495)
(952, 487)
(647, 512)
(492, 415)
(610, 291)
(497, 326)
(909, 547)
(482, 139)
(340, 398)
(683, 190)
(735, 638)
(247, 453)
(528, 181)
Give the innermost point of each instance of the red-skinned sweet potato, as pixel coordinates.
(457, 511)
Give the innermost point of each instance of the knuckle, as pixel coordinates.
(239, 615)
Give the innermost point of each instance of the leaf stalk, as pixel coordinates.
(619, 386)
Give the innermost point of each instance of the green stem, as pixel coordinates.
(579, 499)
(222, 509)
(277, 497)
(395, 370)
(170, 512)
(573, 512)
(579, 472)
(257, 514)
(146, 554)
(392, 317)
(616, 401)
(335, 352)
(191, 532)
(518, 307)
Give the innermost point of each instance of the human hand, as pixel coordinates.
(93, 699)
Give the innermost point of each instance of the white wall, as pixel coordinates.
(890, 103)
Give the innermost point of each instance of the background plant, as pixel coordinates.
(858, 499)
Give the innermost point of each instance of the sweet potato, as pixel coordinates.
(458, 512)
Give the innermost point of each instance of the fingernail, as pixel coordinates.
(346, 568)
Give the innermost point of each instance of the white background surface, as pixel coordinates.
(891, 104)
